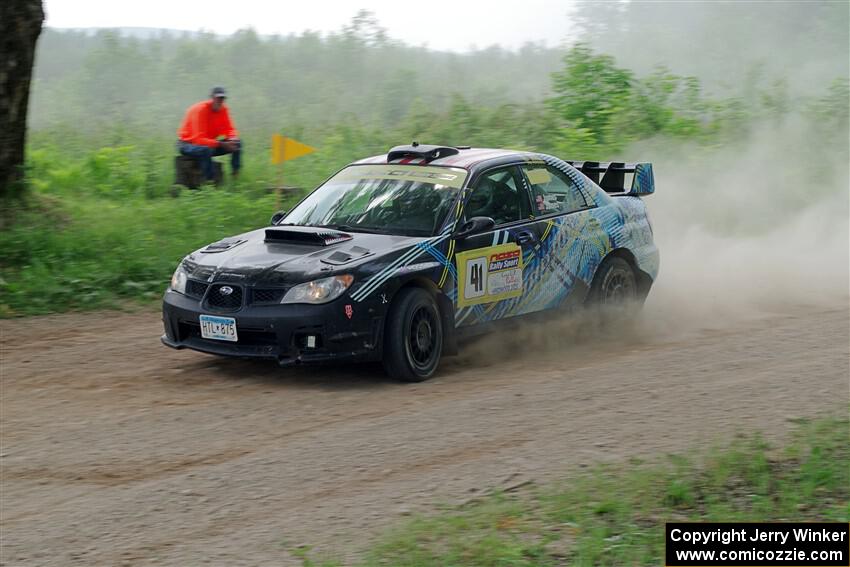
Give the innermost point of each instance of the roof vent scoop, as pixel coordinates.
(419, 151)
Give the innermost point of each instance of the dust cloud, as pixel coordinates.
(748, 230)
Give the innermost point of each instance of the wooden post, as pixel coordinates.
(279, 184)
(278, 158)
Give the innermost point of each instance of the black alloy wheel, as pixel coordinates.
(414, 336)
(614, 290)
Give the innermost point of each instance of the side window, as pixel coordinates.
(552, 191)
(498, 195)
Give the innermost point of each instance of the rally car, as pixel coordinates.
(397, 256)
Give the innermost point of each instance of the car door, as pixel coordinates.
(571, 240)
(490, 264)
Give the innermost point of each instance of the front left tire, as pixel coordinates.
(413, 342)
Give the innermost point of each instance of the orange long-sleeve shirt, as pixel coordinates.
(202, 126)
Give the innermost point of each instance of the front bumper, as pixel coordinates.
(279, 332)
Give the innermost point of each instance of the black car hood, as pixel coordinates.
(288, 255)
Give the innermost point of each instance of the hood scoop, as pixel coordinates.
(306, 235)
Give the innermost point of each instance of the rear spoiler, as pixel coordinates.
(614, 176)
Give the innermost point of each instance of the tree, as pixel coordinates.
(590, 91)
(20, 26)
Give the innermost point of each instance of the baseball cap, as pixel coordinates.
(218, 92)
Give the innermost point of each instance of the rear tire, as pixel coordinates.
(413, 341)
(614, 292)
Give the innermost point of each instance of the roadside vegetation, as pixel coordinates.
(615, 513)
(100, 224)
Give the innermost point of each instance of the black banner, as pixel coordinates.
(765, 544)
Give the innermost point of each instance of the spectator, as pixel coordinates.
(207, 131)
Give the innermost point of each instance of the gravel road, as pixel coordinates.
(119, 451)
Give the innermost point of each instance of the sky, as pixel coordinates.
(456, 25)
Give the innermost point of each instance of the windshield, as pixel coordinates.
(392, 199)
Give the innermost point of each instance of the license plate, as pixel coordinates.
(218, 328)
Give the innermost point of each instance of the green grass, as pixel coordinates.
(101, 226)
(91, 252)
(615, 514)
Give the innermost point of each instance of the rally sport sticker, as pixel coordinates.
(489, 274)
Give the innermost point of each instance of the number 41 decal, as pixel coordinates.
(475, 283)
(489, 274)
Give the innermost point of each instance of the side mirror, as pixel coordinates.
(278, 216)
(474, 226)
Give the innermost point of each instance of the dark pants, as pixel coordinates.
(204, 155)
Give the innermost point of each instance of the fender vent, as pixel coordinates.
(340, 257)
(222, 246)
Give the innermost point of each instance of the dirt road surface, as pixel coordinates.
(119, 451)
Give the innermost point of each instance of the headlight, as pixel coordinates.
(178, 280)
(318, 291)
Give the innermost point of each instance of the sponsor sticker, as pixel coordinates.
(538, 176)
(446, 176)
(489, 274)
